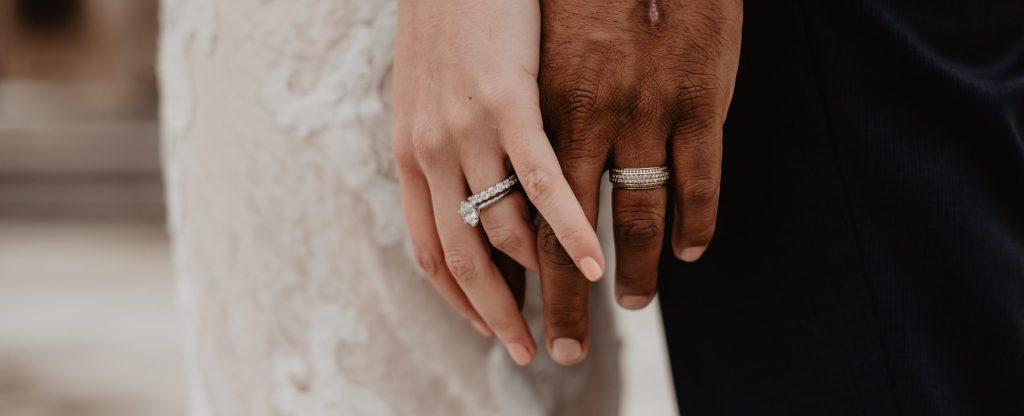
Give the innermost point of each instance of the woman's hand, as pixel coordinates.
(466, 104)
(634, 84)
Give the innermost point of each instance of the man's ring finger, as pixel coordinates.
(639, 178)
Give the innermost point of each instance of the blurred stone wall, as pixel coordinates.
(78, 129)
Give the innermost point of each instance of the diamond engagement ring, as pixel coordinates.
(470, 208)
(639, 178)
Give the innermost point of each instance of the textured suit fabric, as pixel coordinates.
(869, 254)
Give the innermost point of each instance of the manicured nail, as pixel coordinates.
(482, 329)
(634, 301)
(519, 354)
(566, 351)
(590, 269)
(691, 254)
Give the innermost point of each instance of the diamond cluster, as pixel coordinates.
(470, 208)
(491, 192)
(470, 213)
(639, 178)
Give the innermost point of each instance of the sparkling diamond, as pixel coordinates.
(470, 213)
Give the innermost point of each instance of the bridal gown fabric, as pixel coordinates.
(298, 289)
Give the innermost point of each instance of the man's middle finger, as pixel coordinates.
(565, 291)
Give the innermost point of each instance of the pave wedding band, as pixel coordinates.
(639, 178)
(470, 208)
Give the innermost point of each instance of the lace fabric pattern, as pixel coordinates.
(298, 290)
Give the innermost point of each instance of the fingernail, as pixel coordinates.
(566, 351)
(519, 354)
(482, 329)
(634, 301)
(691, 254)
(590, 269)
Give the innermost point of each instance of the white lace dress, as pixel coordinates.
(299, 293)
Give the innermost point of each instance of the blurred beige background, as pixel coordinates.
(87, 316)
(78, 109)
(87, 324)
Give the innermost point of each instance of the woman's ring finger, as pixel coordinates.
(470, 208)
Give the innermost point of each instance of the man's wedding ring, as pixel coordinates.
(470, 208)
(639, 178)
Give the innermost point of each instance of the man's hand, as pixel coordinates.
(634, 84)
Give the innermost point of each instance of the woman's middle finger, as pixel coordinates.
(470, 264)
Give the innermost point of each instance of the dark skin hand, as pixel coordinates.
(631, 84)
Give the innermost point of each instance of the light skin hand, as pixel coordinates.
(629, 85)
(466, 115)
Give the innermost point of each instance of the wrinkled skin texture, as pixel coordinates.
(634, 84)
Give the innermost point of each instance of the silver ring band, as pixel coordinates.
(639, 178)
(471, 207)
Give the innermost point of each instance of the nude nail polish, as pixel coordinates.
(691, 254)
(519, 354)
(634, 301)
(566, 351)
(591, 270)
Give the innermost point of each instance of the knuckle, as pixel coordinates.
(427, 144)
(575, 106)
(424, 135)
(504, 238)
(552, 251)
(646, 111)
(571, 93)
(635, 280)
(461, 123)
(462, 268)
(702, 125)
(696, 99)
(700, 192)
(539, 185)
(429, 263)
(404, 156)
(640, 229)
(579, 103)
(567, 315)
(698, 146)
